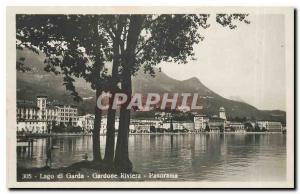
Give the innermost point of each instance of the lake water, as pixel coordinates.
(207, 157)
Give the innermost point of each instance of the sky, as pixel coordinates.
(247, 63)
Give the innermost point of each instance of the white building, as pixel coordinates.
(32, 126)
(43, 114)
(200, 122)
(185, 125)
(235, 126)
(67, 114)
(142, 125)
(86, 122)
(270, 126)
(222, 113)
(27, 111)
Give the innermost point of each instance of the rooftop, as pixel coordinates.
(26, 104)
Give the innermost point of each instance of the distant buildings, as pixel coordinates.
(86, 122)
(142, 125)
(66, 114)
(216, 124)
(222, 113)
(32, 126)
(40, 116)
(235, 126)
(219, 124)
(270, 126)
(200, 122)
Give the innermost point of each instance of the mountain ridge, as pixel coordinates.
(30, 84)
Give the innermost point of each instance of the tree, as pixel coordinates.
(74, 46)
(257, 128)
(171, 126)
(150, 40)
(116, 33)
(207, 129)
(221, 128)
(248, 126)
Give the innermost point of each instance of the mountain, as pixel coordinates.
(236, 98)
(210, 100)
(37, 81)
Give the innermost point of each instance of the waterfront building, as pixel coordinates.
(43, 114)
(270, 126)
(66, 114)
(235, 126)
(41, 102)
(216, 124)
(26, 110)
(178, 125)
(86, 122)
(32, 126)
(200, 122)
(28, 118)
(143, 124)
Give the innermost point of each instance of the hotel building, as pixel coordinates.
(270, 126)
(39, 117)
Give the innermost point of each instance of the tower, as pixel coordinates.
(222, 113)
(42, 105)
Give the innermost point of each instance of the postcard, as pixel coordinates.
(150, 97)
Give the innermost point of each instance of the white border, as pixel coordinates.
(11, 96)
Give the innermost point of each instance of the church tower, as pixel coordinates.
(222, 113)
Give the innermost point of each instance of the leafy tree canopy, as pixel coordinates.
(80, 45)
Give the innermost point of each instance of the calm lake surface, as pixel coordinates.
(207, 157)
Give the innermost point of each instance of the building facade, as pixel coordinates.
(235, 126)
(200, 122)
(40, 116)
(216, 124)
(67, 114)
(86, 122)
(270, 126)
(32, 126)
(142, 125)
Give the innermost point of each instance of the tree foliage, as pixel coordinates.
(74, 46)
(73, 43)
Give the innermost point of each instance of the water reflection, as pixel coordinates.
(209, 157)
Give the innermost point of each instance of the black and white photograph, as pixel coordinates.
(157, 97)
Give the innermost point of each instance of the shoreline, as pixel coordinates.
(166, 133)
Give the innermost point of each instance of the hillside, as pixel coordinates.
(38, 81)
